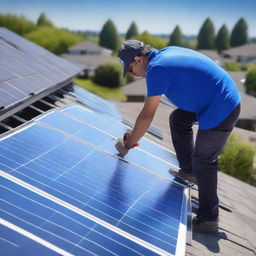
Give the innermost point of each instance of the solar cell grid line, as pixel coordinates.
(106, 143)
(102, 207)
(123, 233)
(95, 102)
(116, 130)
(52, 222)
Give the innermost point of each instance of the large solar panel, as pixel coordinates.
(106, 107)
(135, 208)
(27, 69)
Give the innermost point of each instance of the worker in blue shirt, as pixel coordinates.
(203, 92)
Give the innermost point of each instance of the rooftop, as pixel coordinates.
(237, 234)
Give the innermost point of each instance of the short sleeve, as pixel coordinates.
(157, 81)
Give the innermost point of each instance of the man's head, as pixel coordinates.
(133, 55)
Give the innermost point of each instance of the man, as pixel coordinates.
(203, 92)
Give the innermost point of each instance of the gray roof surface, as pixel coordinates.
(237, 234)
(137, 87)
(213, 54)
(89, 46)
(244, 50)
(87, 61)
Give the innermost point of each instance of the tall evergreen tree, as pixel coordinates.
(176, 37)
(222, 39)
(239, 35)
(44, 21)
(132, 31)
(206, 37)
(108, 36)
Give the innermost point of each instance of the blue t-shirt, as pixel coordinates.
(193, 82)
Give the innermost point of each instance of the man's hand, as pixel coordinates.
(121, 148)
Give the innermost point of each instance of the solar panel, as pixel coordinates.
(117, 129)
(127, 201)
(152, 129)
(95, 102)
(106, 107)
(50, 228)
(28, 69)
(106, 142)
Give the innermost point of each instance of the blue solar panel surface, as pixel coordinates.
(60, 226)
(77, 164)
(95, 102)
(27, 69)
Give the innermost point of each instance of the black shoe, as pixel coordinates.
(205, 226)
(184, 175)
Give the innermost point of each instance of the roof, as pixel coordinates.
(89, 46)
(248, 102)
(87, 61)
(247, 50)
(212, 54)
(237, 234)
(135, 88)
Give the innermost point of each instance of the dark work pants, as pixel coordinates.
(201, 157)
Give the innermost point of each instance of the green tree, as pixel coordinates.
(44, 21)
(132, 31)
(155, 42)
(108, 36)
(206, 35)
(250, 82)
(54, 39)
(176, 37)
(239, 34)
(222, 39)
(18, 24)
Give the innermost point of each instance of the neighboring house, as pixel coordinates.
(247, 118)
(88, 56)
(212, 54)
(244, 54)
(135, 91)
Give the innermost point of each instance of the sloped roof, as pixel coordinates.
(89, 46)
(212, 54)
(247, 50)
(87, 61)
(237, 234)
(135, 88)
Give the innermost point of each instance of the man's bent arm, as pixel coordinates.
(144, 119)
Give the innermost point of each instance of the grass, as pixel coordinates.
(105, 92)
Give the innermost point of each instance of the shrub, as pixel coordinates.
(109, 75)
(250, 82)
(54, 39)
(232, 66)
(237, 159)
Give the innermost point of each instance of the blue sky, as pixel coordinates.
(154, 16)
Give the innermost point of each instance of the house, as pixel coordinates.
(212, 54)
(135, 91)
(243, 54)
(88, 56)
